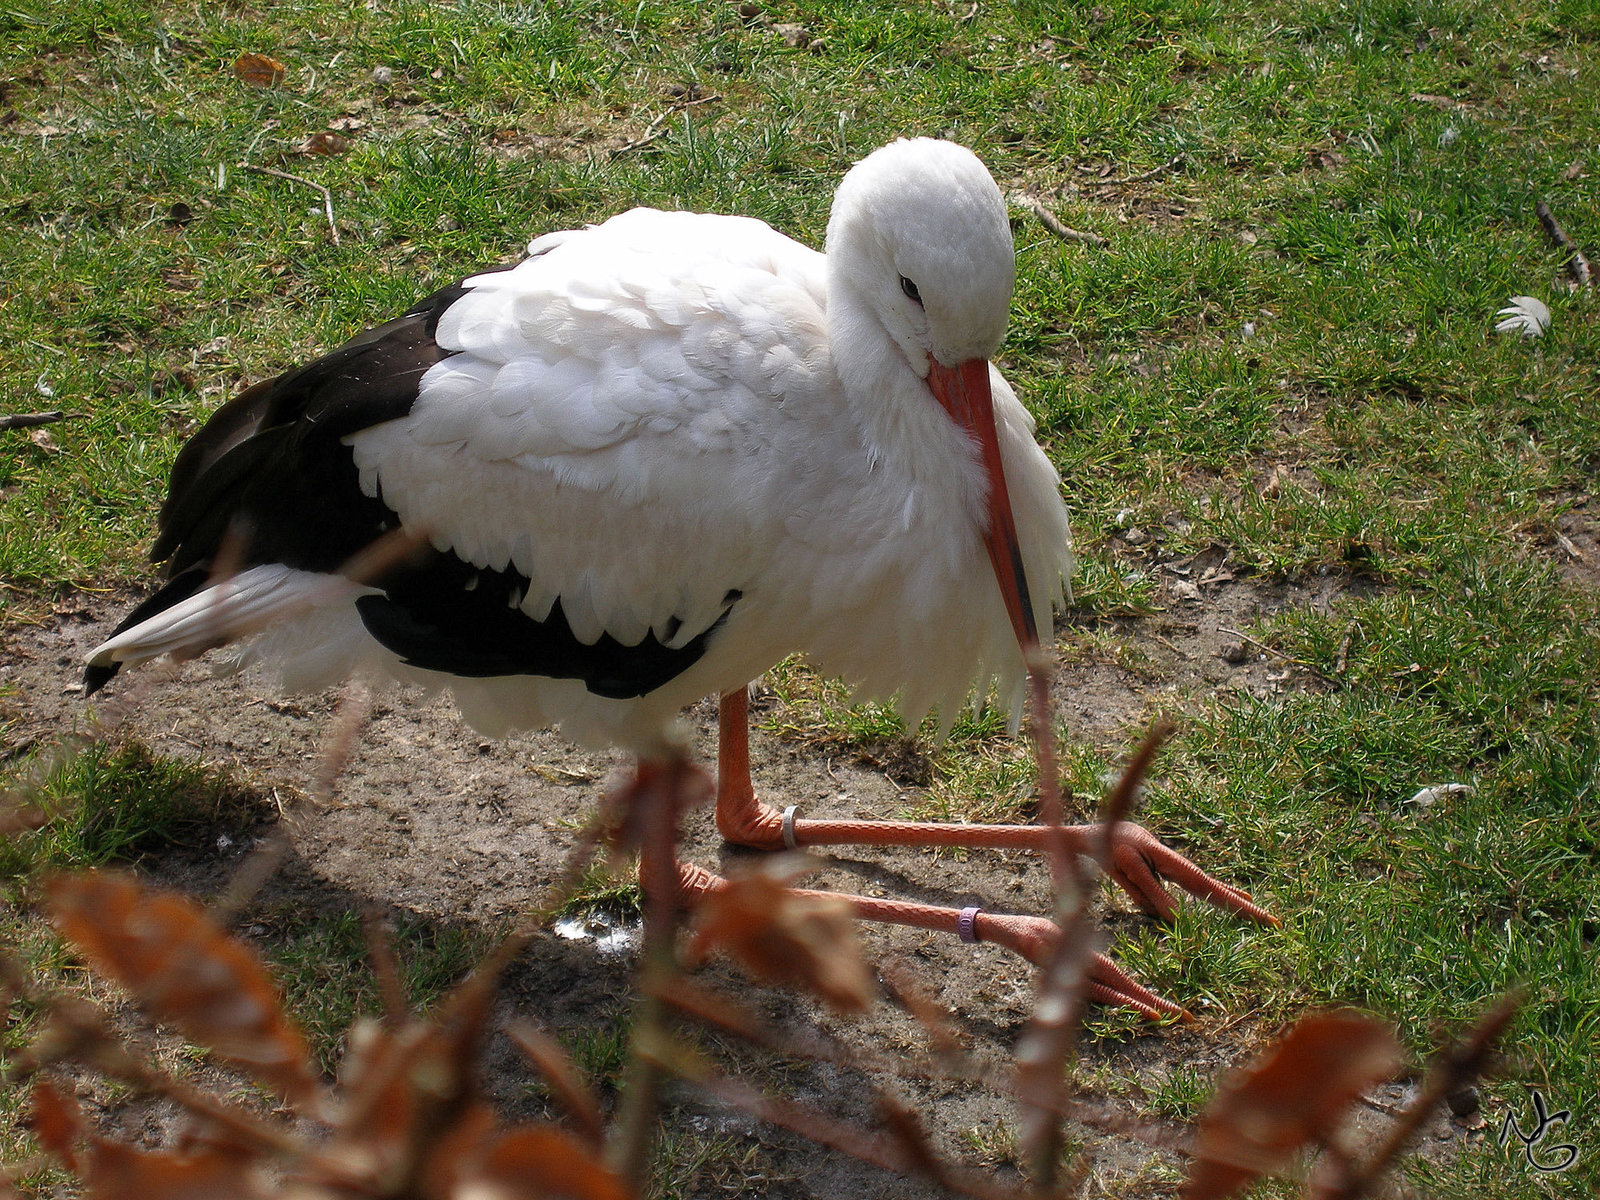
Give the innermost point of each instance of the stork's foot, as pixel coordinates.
(1032, 937)
(1035, 939)
(1139, 861)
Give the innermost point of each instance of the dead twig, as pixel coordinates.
(1053, 223)
(716, 1011)
(33, 419)
(1570, 547)
(1275, 652)
(652, 804)
(893, 1150)
(327, 196)
(1577, 264)
(1172, 164)
(252, 874)
(658, 127)
(385, 966)
(1051, 1031)
(350, 719)
(1342, 659)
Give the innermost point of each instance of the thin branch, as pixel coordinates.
(1052, 1030)
(1052, 223)
(1577, 264)
(1165, 168)
(252, 875)
(1342, 659)
(327, 196)
(883, 1150)
(385, 967)
(79, 1031)
(716, 1011)
(1570, 547)
(1275, 652)
(658, 127)
(655, 800)
(30, 420)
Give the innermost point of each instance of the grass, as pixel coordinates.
(112, 802)
(320, 962)
(1330, 198)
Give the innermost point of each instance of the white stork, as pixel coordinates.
(641, 467)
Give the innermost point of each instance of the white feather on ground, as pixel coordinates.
(1527, 315)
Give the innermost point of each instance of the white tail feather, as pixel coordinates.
(233, 608)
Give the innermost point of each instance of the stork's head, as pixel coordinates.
(920, 232)
(920, 241)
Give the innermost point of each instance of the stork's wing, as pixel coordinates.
(583, 441)
(268, 464)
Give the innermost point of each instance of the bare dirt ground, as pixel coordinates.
(432, 821)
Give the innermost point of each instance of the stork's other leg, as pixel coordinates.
(1138, 859)
(744, 820)
(1031, 937)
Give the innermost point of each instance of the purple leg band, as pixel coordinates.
(964, 924)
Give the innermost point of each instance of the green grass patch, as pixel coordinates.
(109, 802)
(328, 983)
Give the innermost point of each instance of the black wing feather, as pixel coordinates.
(270, 462)
(461, 619)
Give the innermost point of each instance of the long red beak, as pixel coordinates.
(964, 391)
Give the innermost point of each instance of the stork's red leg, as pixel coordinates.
(1031, 937)
(1139, 860)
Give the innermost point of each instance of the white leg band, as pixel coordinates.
(788, 828)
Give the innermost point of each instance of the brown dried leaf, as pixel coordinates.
(410, 1112)
(411, 1091)
(562, 1077)
(632, 810)
(185, 971)
(449, 1153)
(537, 1162)
(259, 70)
(785, 937)
(1296, 1093)
(326, 143)
(57, 1122)
(119, 1172)
(18, 816)
(1340, 1178)
(378, 1073)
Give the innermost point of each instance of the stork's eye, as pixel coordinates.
(910, 289)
